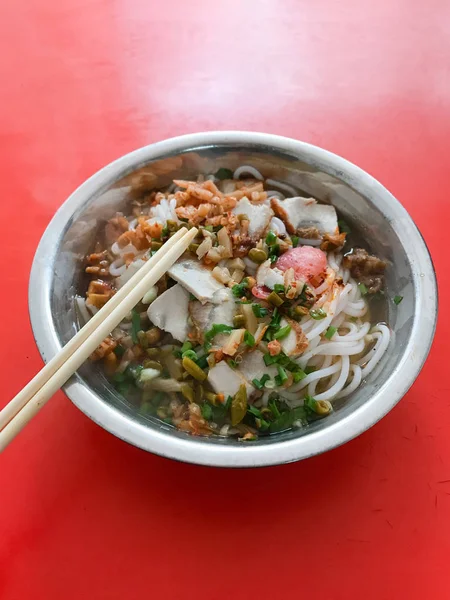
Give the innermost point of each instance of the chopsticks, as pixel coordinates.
(22, 408)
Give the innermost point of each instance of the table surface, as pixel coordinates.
(83, 514)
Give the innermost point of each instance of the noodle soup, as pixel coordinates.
(260, 327)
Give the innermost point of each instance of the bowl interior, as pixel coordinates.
(361, 211)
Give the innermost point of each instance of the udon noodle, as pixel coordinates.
(259, 328)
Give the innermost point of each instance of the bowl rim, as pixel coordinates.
(199, 452)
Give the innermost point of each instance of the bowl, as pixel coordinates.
(382, 222)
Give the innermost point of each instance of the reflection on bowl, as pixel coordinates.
(380, 220)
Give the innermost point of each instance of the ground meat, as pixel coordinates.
(373, 283)
(365, 267)
(308, 233)
(332, 242)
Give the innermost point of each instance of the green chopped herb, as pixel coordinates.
(207, 411)
(330, 332)
(254, 411)
(298, 375)
(278, 288)
(223, 174)
(190, 354)
(362, 288)
(186, 346)
(239, 290)
(135, 325)
(259, 311)
(271, 238)
(317, 313)
(259, 383)
(343, 227)
(177, 353)
(398, 299)
(165, 232)
(202, 362)
(286, 419)
(209, 228)
(319, 407)
(309, 370)
(232, 363)
(274, 251)
(282, 333)
(249, 339)
(282, 376)
(269, 360)
(294, 239)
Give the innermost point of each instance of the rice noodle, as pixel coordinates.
(282, 186)
(247, 169)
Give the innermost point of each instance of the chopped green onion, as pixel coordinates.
(239, 290)
(274, 251)
(271, 238)
(282, 333)
(206, 411)
(135, 325)
(298, 375)
(186, 346)
(317, 313)
(282, 376)
(330, 332)
(190, 354)
(278, 288)
(309, 370)
(232, 363)
(261, 382)
(269, 360)
(259, 311)
(254, 411)
(223, 174)
(344, 227)
(202, 362)
(294, 239)
(257, 384)
(249, 339)
(362, 288)
(319, 407)
(398, 299)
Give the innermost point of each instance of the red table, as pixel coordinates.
(84, 515)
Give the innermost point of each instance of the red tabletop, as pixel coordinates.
(84, 515)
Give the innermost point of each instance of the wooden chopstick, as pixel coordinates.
(41, 388)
